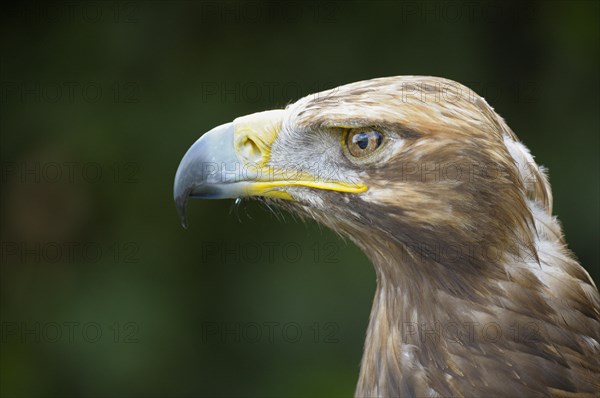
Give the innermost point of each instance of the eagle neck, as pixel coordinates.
(409, 318)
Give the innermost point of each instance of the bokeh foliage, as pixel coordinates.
(123, 88)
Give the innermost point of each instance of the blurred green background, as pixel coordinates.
(103, 293)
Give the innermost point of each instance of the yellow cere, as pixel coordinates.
(254, 134)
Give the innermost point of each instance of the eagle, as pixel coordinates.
(477, 293)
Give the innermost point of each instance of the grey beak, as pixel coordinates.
(207, 169)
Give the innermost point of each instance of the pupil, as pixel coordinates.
(362, 140)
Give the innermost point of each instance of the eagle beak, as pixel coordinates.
(232, 161)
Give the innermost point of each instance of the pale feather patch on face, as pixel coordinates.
(387, 195)
(307, 196)
(314, 152)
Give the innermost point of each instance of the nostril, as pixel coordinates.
(249, 150)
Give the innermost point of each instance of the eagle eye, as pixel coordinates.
(362, 142)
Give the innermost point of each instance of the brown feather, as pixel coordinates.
(477, 294)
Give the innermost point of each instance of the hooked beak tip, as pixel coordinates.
(181, 204)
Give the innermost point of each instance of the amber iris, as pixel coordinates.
(363, 142)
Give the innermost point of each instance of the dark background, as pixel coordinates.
(104, 294)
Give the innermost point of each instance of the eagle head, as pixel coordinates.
(453, 212)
